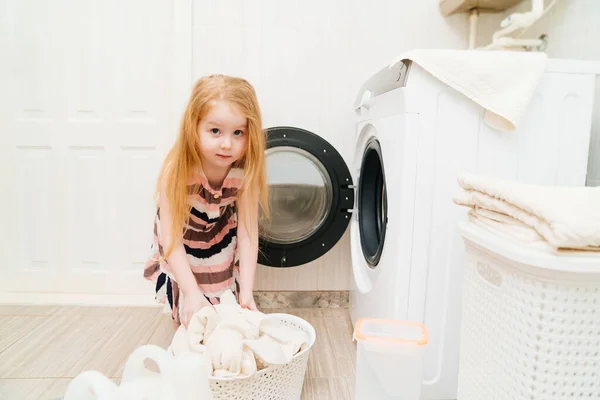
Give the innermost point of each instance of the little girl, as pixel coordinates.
(211, 186)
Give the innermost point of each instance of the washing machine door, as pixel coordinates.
(372, 203)
(311, 197)
(369, 225)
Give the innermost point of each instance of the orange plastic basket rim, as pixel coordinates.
(419, 342)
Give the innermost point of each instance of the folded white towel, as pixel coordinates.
(567, 218)
(502, 82)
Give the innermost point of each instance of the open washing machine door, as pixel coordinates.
(369, 223)
(311, 195)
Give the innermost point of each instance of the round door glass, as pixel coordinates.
(300, 195)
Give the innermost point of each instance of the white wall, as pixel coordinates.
(307, 60)
(573, 29)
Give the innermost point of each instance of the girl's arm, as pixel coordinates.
(248, 247)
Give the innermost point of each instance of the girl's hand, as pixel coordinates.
(247, 301)
(192, 303)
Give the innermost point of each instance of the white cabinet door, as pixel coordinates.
(83, 130)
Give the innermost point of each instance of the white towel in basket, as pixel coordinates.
(564, 218)
(277, 343)
(238, 342)
(502, 82)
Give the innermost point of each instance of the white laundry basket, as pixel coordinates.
(274, 383)
(530, 322)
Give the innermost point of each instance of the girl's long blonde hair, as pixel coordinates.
(184, 157)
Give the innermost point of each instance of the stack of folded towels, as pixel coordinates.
(238, 342)
(553, 218)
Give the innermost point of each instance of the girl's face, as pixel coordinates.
(223, 135)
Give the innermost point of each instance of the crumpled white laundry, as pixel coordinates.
(565, 218)
(277, 343)
(502, 82)
(238, 342)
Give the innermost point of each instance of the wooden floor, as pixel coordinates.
(43, 348)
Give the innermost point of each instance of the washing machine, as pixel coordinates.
(414, 135)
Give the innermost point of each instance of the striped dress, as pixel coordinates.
(210, 241)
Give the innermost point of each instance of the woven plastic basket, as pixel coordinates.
(530, 322)
(282, 382)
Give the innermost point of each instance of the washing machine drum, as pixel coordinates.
(311, 197)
